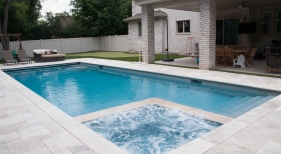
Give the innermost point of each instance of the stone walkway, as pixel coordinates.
(30, 124)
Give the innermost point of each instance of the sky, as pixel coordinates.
(55, 6)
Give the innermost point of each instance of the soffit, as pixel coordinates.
(138, 17)
(194, 5)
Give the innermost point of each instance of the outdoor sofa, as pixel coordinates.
(47, 55)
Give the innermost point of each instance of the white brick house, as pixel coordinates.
(176, 19)
(212, 23)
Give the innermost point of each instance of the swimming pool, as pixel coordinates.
(81, 88)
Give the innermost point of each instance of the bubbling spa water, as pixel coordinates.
(151, 129)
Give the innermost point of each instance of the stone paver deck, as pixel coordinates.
(30, 124)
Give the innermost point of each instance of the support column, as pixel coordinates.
(148, 34)
(207, 43)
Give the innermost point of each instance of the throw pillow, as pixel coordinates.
(48, 52)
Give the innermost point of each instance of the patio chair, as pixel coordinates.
(239, 61)
(228, 55)
(8, 57)
(219, 55)
(250, 57)
(22, 56)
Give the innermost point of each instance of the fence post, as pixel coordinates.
(115, 43)
(110, 43)
(62, 45)
(81, 44)
(101, 43)
(41, 43)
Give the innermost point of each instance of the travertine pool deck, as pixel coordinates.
(30, 124)
(185, 109)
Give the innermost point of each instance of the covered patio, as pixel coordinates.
(258, 69)
(210, 11)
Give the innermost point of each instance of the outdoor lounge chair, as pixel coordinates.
(22, 56)
(8, 57)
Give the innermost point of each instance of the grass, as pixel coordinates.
(123, 56)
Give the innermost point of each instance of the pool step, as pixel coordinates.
(243, 108)
(233, 103)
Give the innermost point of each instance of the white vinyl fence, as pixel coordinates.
(74, 45)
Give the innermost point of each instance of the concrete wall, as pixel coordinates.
(72, 45)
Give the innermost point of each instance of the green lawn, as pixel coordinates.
(123, 56)
(106, 54)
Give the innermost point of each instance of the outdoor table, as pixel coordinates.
(239, 51)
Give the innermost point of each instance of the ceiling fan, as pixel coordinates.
(241, 5)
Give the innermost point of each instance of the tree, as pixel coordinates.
(3, 29)
(22, 16)
(102, 17)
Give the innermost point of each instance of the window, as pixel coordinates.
(140, 29)
(278, 21)
(266, 18)
(227, 32)
(183, 26)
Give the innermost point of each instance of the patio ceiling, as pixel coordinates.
(194, 5)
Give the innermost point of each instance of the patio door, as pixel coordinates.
(227, 31)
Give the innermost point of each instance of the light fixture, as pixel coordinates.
(240, 6)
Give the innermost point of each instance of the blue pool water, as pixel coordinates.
(151, 129)
(79, 89)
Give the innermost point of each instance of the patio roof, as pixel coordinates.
(138, 17)
(194, 5)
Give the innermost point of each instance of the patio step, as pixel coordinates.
(251, 105)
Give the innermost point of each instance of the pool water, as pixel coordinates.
(79, 89)
(151, 129)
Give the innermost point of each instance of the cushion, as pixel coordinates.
(53, 55)
(43, 53)
(48, 52)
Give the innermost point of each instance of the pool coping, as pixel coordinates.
(171, 105)
(199, 145)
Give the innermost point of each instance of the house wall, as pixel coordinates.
(177, 42)
(254, 15)
(264, 39)
(238, 13)
(159, 30)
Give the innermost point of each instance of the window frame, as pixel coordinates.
(183, 32)
(276, 20)
(140, 29)
(223, 36)
(262, 21)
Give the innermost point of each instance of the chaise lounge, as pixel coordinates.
(47, 55)
(8, 57)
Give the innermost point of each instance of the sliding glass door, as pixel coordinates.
(227, 32)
